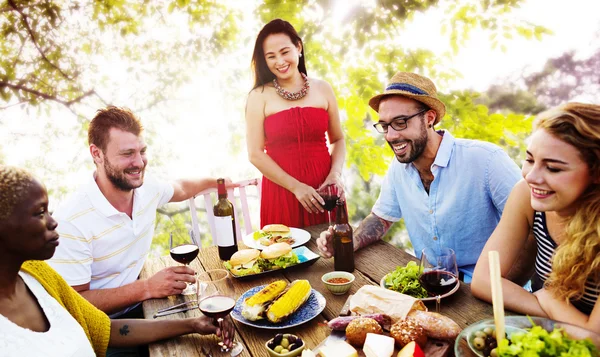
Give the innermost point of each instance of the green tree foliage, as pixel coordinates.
(570, 76)
(50, 50)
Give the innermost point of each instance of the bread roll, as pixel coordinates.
(275, 250)
(357, 330)
(243, 256)
(407, 330)
(277, 229)
(436, 325)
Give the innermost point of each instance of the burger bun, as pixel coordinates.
(244, 256)
(276, 228)
(275, 250)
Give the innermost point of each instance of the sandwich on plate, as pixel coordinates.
(274, 233)
(244, 262)
(279, 255)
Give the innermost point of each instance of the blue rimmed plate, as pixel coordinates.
(308, 311)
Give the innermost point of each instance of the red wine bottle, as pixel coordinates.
(224, 223)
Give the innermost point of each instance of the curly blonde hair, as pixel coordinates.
(577, 259)
(14, 183)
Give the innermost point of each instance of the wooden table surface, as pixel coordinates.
(371, 264)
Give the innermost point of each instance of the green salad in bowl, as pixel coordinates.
(405, 280)
(528, 337)
(539, 342)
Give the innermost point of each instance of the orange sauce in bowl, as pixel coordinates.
(338, 281)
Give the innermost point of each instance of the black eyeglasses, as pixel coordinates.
(398, 123)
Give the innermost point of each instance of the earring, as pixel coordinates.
(430, 125)
(300, 55)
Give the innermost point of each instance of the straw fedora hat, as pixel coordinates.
(414, 86)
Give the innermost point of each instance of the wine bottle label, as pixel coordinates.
(224, 228)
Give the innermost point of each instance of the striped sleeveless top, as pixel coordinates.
(543, 265)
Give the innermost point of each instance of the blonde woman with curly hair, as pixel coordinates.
(558, 201)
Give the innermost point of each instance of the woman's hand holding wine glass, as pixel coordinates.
(216, 299)
(330, 194)
(439, 272)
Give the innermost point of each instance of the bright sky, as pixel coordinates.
(573, 25)
(192, 144)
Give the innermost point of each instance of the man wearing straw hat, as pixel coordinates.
(451, 192)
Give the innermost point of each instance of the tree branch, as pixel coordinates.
(45, 95)
(12, 105)
(32, 35)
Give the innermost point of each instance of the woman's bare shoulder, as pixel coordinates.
(319, 83)
(520, 198)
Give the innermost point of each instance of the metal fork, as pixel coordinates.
(178, 305)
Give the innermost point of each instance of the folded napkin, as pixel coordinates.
(371, 299)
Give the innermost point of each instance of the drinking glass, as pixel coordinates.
(330, 194)
(184, 250)
(216, 299)
(439, 272)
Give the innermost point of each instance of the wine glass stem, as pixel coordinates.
(222, 343)
(437, 303)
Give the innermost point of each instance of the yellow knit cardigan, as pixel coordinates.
(94, 322)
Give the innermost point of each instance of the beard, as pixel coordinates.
(417, 146)
(119, 179)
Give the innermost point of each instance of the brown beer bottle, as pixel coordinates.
(224, 223)
(343, 256)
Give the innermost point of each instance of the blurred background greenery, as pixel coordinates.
(183, 67)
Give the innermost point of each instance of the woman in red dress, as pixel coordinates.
(287, 117)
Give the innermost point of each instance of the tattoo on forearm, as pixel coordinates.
(370, 230)
(124, 330)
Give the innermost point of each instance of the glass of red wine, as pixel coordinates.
(439, 272)
(330, 194)
(184, 250)
(216, 299)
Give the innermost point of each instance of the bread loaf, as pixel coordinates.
(357, 330)
(407, 330)
(436, 325)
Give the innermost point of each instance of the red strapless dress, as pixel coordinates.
(295, 140)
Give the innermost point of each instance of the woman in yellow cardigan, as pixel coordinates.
(40, 314)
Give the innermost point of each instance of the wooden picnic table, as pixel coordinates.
(371, 264)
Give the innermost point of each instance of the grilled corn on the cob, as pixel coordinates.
(255, 306)
(290, 301)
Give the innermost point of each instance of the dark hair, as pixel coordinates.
(108, 118)
(262, 74)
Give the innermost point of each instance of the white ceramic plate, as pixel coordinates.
(382, 284)
(300, 236)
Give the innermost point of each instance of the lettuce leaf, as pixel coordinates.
(285, 261)
(539, 342)
(255, 269)
(259, 234)
(405, 280)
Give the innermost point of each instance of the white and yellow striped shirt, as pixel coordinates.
(101, 245)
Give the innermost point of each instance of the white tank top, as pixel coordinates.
(64, 338)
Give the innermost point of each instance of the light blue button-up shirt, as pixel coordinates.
(472, 181)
